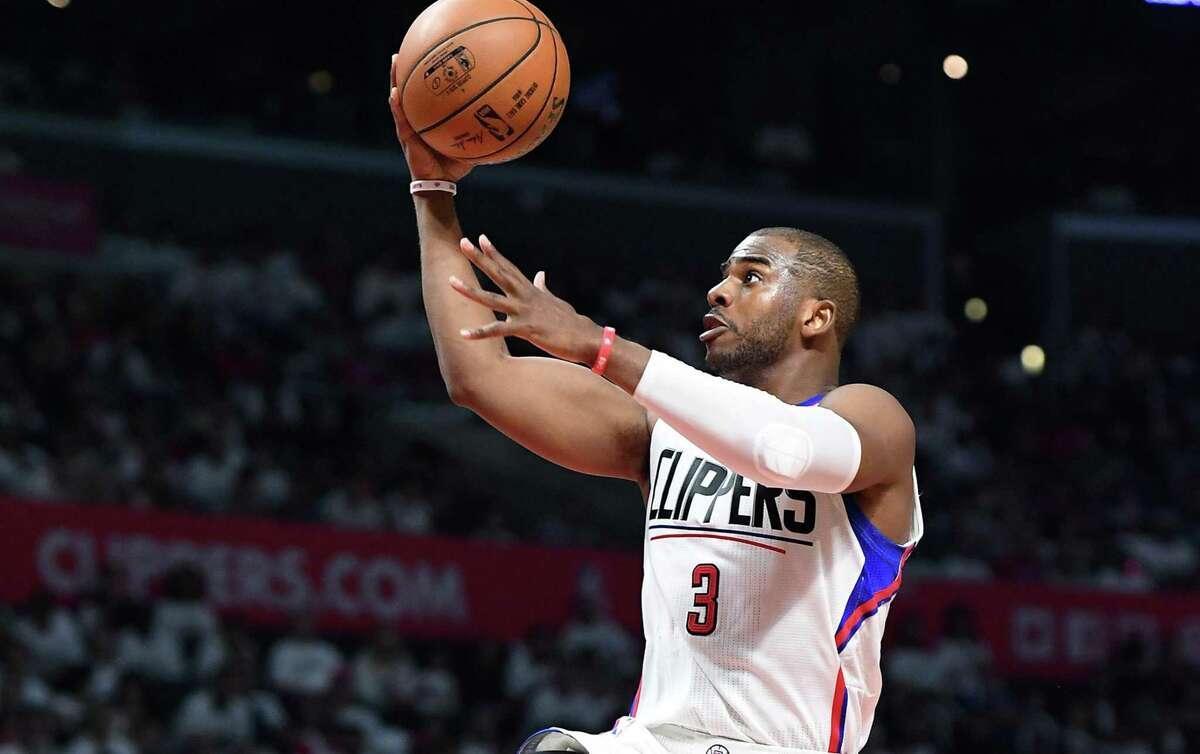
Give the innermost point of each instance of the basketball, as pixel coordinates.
(483, 81)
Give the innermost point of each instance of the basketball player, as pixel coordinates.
(780, 506)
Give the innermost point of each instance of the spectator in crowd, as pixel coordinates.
(355, 507)
(530, 663)
(184, 645)
(383, 674)
(227, 711)
(436, 691)
(101, 735)
(51, 637)
(302, 663)
(593, 633)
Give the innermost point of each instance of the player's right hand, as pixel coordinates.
(423, 162)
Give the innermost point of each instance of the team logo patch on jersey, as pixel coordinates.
(717, 749)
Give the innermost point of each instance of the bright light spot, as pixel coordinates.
(320, 82)
(975, 309)
(59, 3)
(889, 73)
(1033, 359)
(955, 66)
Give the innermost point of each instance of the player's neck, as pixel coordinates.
(798, 376)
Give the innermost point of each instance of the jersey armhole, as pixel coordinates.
(647, 480)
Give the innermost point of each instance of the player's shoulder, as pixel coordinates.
(862, 392)
(863, 403)
(889, 438)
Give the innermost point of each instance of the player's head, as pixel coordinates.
(781, 289)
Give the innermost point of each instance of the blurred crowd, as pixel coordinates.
(943, 696)
(265, 381)
(109, 675)
(234, 385)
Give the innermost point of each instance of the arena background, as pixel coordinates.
(240, 514)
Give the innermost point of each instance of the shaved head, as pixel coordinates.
(822, 269)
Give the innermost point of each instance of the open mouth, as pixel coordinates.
(714, 326)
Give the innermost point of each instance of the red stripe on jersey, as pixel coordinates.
(779, 550)
(838, 718)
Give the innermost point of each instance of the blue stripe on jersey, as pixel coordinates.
(812, 401)
(883, 560)
(842, 719)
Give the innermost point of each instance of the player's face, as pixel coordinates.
(753, 310)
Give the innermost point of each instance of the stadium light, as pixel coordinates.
(976, 309)
(59, 3)
(320, 82)
(955, 66)
(1033, 359)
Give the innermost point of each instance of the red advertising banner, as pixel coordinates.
(431, 586)
(1057, 632)
(266, 570)
(43, 215)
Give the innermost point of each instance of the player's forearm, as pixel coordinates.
(460, 361)
(626, 364)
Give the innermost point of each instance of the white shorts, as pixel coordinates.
(630, 736)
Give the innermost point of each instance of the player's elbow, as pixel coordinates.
(476, 384)
(462, 392)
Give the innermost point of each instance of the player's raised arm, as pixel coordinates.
(860, 438)
(561, 411)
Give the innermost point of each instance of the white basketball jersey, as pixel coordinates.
(763, 608)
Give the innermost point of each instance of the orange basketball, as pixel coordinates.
(483, 81)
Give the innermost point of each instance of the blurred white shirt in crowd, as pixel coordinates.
(54, 647)
(524, 672)
(305, 666)
(346, 508)
(603, 637)
(377, 737)
(436, 692)
(1163, 558)
(207, 479)
(184, 642)
(202, 716)
(382, 682)
(113, 743)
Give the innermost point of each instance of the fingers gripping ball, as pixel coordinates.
(483, 81)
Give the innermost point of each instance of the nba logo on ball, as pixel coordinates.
(717, 749)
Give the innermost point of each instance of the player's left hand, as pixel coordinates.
(533, 312)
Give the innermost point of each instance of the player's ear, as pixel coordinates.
(817, 316)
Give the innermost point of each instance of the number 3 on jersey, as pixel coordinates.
(707, 578)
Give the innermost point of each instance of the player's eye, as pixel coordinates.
(751, 277)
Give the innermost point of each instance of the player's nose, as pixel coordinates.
(719, 295)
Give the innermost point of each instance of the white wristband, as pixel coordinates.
(447, 186)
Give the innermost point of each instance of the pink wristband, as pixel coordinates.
(606, 344)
